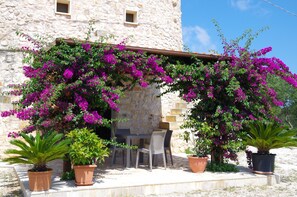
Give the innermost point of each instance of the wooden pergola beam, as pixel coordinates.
(172, 53)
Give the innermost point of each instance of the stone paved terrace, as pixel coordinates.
(118, 181)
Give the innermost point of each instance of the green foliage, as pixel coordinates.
(113, 142)
(270, 135)
(288, 94)
(221, 167)
(86, 148)
(38, 150)
(199, 137)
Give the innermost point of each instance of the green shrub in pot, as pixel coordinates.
(86, 150)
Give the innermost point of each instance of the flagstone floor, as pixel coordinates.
(119, 181)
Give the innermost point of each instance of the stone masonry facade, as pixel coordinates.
(158, 25)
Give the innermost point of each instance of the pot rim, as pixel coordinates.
(83, 166)
(263, 154)
(48, 170)
(194, 156)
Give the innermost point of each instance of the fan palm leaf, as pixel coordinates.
(266, 136)
(38, 150)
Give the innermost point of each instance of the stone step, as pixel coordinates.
(164, 125)
(170, 125)
(175, 125)
(180, 105)
(178, 111)
(174, 118)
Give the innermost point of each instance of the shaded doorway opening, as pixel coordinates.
(104, 132)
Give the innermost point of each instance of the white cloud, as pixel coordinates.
(197, 39)
(241, 4)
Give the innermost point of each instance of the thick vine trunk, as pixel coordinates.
(217, 155)
(66, 164)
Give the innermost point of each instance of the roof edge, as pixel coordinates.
(181, 54)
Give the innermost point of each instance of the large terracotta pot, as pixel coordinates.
(40, 181)
(84, 174)
(197, 164)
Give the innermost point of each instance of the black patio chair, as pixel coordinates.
(167, 145)
(119, 138)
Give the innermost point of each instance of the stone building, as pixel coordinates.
(152, 24)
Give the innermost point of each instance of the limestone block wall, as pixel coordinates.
(141, 107)
(158, 26)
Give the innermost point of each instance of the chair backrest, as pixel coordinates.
(122, 131)
(119, 133)
(157, 142)
(168, 138)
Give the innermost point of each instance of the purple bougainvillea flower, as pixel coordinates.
(92, 118)
(86, 46)
(68, 73)
(83, 105)
(121, 46)
(26, 114)
(46, 123)
(8, 113)
(143, 84)
(68, 117)
(97, 117)
(110, 59)
(30, 72)
(81, 102)
(240, 95)
(167, 79)
(13, 134)
(29, 129)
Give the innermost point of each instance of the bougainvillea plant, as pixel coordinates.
(229, 92)
(73, 83)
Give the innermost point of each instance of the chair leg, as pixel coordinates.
(164, 160)
(137, 157)
(131, 157)
(151, 161)
(171, 155)
(112, 156)
(123, 153)
(165, 151)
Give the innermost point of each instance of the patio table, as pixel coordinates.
(128, 138)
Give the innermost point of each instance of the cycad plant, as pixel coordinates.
(38, 150)
(270, 135)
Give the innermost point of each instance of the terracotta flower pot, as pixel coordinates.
(197, 164)
(84, 174)
(40, 181)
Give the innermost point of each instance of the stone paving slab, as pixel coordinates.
(118, 181)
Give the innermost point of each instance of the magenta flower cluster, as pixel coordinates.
(13, 134)
(230, 91)
(93, 118)
(73, 85)
(68, 73)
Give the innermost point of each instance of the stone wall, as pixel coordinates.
(142, 109)
(159, 26)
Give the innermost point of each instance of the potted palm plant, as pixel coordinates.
(38, 150)
(266, 136)
(200, 147)
(85, 151)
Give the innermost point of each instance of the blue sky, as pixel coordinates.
(236, 16)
